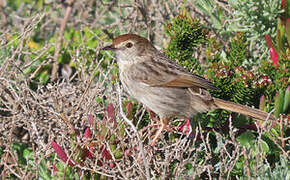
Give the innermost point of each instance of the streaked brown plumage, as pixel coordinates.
(163, 86)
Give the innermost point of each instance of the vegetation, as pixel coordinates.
(63, 115)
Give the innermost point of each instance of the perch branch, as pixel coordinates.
(136, 132)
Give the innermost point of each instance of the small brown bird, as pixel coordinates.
(162, 85)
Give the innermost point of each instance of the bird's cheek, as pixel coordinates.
(122, 56)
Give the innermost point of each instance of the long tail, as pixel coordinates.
(255, 113)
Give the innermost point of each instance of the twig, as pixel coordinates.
(12, 171)
(136, 132)
(37, 58)
(113, 157)
(2, 13)
(281, 132)
(59, 40)
(88, 85)
(68, 123)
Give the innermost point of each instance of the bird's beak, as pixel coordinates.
(110, 47)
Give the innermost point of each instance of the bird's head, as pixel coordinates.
(129, 47)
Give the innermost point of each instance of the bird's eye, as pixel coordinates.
(129, 45)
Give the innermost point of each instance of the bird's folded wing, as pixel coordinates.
(185, 80)
(168, 74)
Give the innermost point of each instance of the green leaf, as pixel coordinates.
(118, 154)
(99, 100)
(264, 146)
(286, 101)
(280, 38)
(44, 172)
(87, 32)
(246, 139)
(39, 4)
(121, 132)
(67, 35)
(14, 4)
(279, 103)
(44, 77)
(288, 8)
(288, 30)
(274, 131)
(28, 153)
(112, 140)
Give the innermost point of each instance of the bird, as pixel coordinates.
(165, 87)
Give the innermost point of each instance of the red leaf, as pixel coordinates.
(89, 150)
(87, 153)
(61, 154)
(91, 119)
(3, 174)
(84, 154)
(262, 102)
(111, 113)
(274, 57)
(112, 165)
(273, 53)
(100, 163)
(269, 41)
(127, 152)
(87, 133)
(105, 153)
(54, 168)
(185, 126)
(282, 3)
(90, 155)
(129, 109)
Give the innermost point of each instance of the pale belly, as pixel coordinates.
(166, 102)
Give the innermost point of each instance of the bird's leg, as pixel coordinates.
(168, 128)
(158, 133)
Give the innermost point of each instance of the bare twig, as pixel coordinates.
(136, 132)
(2, 13)
(59, 41)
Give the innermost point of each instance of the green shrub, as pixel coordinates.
(185, 34)
(237, 81)
(255, 18)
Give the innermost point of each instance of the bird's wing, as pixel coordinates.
(163, 72)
